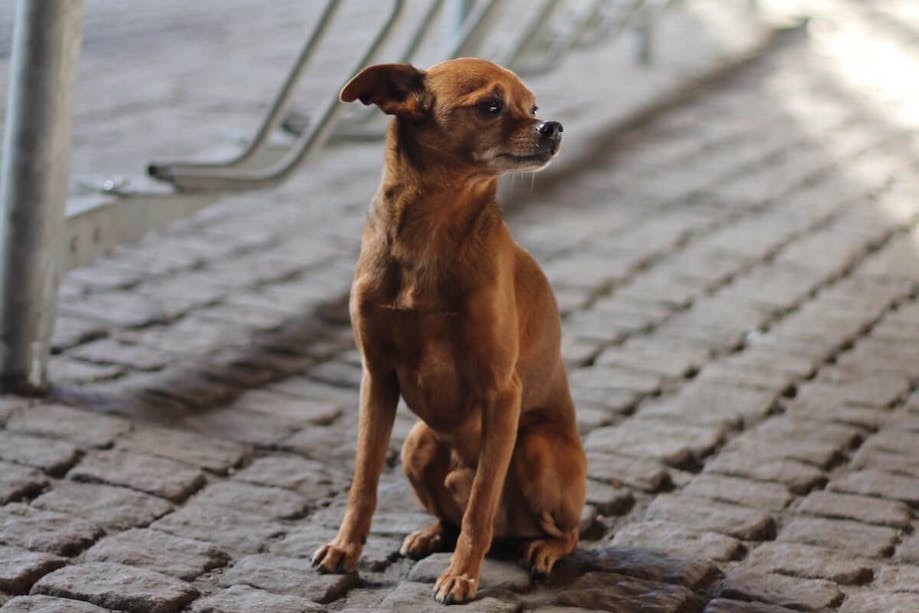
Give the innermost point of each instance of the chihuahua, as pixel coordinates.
(453, 315)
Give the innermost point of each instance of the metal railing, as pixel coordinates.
(39, 240)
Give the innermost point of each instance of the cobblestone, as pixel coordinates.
(292, 576)
(158, 551)
(118, 587)
(113, 508)
(49, 604)
(53, 457)
(47, 531)
(17, 482)
(850, 536)
(801, 594)
(57, 421)
(20, 568)
(146, 473)
(244, 599)
(705, 516)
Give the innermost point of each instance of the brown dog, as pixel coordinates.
(452, 314)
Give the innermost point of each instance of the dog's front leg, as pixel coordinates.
(500, 415)
(379, 397)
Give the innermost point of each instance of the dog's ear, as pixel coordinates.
(398, 89)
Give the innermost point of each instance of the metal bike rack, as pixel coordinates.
(230, 175)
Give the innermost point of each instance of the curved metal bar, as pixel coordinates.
(474, 28)
(208, 178)
(525, 38)
(273, 116)
(559, 48)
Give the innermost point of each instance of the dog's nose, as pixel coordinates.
(550, 129)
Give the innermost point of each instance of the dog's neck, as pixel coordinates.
(427, 199)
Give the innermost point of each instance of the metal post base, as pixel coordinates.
(33, 179)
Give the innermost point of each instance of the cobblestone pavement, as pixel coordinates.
(739, 281)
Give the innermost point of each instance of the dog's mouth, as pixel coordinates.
(534, 161)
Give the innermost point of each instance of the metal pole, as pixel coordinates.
(33, 183)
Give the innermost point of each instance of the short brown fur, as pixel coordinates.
(452, 314)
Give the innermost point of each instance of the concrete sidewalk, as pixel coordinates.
(738, 278)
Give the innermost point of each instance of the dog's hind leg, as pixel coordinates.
(426, 462)
(549, 471)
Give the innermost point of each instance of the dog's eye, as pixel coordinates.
(533, 110)
(491, 107)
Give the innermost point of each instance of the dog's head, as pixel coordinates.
(473, 111)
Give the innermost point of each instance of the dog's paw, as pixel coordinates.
(337, 558)
(424, 542)
(539, 557)
(455, 588)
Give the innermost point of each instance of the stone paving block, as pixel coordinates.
(799, 477)
(495, 574)
(72, 331)
(753, 377)
(202, 451)
(650, 565)
(49, 604)
(165, 553)
(245, 599)
(899, 578)
(111, 351)
(317, 412)
(879, 602)
(52, 456)
(878, 483)
(413, 597)
(786, 427)
(672, 362)
(849, 536)
(303, 541)
(674, 539)
(314, 480)
(17, 482)
(265, 501)
(609, 592)
(865, 509)
(703, 515)
(120, 309)
(611, 402)
(235, 532)
(68, 371)
(119, 587)
(895, 441)
(722, 605)
(609, 499)
(755, 494)
(908, 551)
(897, 463)
(673, 444)
(811, 562)
(816, 453)
(242, 426)
(159, 476)
(20, 568)
(645, 475)
(59, 421)
(56, 533)
(615, 378)
(791, 592)
(828, 409)
(293, 576)
(113, 508)
(712, 405)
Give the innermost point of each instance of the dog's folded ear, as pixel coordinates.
(398, 89)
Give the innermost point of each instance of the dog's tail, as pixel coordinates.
(547, 523)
